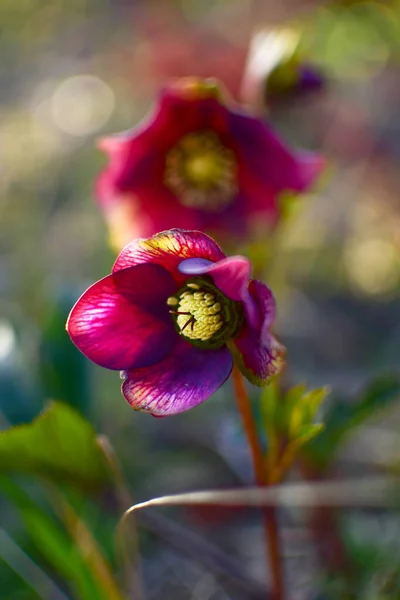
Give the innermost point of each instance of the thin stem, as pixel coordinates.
(269, 513)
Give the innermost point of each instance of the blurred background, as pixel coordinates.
(73, 71)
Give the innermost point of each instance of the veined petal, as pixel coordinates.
(168, 249)
(122, 321)
(265, 304)
(258, 360)
(258, 354)
(185, 378)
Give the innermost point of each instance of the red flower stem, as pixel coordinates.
(269, 512)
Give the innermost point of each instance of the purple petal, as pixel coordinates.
(182, 107)
(168, 249)
(231, 275)
(194, 266)
(185, 378)
(257, 352)
(122, 321)
(265, 303)
(264, 157)
(258, 360)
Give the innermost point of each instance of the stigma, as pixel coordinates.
(203, 315)
(202, 172)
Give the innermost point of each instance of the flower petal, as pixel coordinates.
(231, 275)
(258, 360)
(185, 378)
(122, 321)
(265, 303)
(133, 216)
(258, 354)
(183, 106)
(264, 158)
(168, 249)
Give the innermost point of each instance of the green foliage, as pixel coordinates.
(288, 421)
(63, 370)
(344, 415)
(291, 415)
(59, 445)
(53, 543)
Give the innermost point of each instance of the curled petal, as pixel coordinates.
(258, 354)
(230, 275)
(168, 249)
(122, 321)
(264, 300)
(185, 378)
(257, 359)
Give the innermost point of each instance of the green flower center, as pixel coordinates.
(201, 172)
(203, 315)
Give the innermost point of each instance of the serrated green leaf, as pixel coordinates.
(60, 445)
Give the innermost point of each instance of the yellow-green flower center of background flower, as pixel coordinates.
(203, 315)
(202, 172)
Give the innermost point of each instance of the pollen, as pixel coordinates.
(196, 319)
(203, 315)
(202, 172)
(172, 301)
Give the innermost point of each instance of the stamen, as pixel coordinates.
(203, 315)
(202, 172)
(172, 301)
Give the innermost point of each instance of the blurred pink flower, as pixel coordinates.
(197, 163)
(172, 315)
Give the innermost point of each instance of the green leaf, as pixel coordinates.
(311, 402)
(379, 394)
(290, 417)
(59, 445)
(295, 394)
(52, 542)
(345, 415)
(64, 371)
(270, 399)
(309, 432)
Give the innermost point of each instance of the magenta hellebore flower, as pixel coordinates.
(171, 315)
(196, 163)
